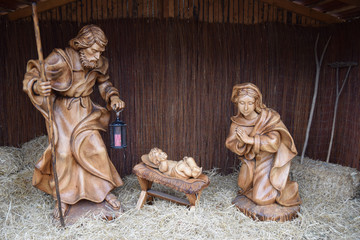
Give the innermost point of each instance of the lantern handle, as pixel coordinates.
(118, 113)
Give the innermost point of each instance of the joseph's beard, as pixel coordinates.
(85, 62)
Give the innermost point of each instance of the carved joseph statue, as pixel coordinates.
(265, 147)
(83, 166)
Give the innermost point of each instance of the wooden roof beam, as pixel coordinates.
(304, 11)
(351, 2)
(41, 7)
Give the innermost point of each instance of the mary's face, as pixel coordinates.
(246, 106)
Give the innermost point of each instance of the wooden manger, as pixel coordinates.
(191, 187)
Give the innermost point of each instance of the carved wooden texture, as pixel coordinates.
(272, 212)
(89, 209)
(191, 187)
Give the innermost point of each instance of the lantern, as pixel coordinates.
(118, 133)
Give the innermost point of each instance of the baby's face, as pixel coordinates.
(162, 156)
(156, 156)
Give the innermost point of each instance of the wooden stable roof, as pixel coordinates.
(346, 10)
(326, 11)
(17, 9)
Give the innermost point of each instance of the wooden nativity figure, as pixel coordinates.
(265, 148)
(183, 169)
(83, 166)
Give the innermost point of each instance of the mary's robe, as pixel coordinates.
(264, 174)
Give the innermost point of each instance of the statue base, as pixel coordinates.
(87, 209)
(272, 212)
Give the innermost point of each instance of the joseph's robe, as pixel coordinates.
(83, 166)
(264, 174)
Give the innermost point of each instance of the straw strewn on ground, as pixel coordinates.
(327, 211)
(10, 161)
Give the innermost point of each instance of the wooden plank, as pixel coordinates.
(105, 9)
(275, 14)
(187, 5)
(99, 9)
(78, 12)
(166, 9)
(74, 13)
(89, 10)
(120, 8)
(41, 7)
(124, 8)
(83, 11)
(181, 9)
(241, 11)
(142, 8)
(68, 16)
(250, 12)
(185, 8)
(206, 10)
(176, 8)
(256, 17)
(201, 10)
(114, 12)
(159, 9)
(168, 197)
(271, 13)
(55, 11)
(351, 2)
(93, 10)
(63, 13)
(211, 11)
(231, 11)
(216, 11)
(246, 13)
(279, 16)
(220, 11)
(196, 10)
(236, 11)
(293, 18)
(152, 9)
(190, 10)
(265, 12)
(147, 9)
(130, 8)
(225, 11)
(261, 11)
(304, 11)
(140, 4)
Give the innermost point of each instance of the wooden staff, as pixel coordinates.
(49, 106)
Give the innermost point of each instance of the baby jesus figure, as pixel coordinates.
(183, 169)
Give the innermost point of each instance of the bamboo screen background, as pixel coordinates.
(176, 78)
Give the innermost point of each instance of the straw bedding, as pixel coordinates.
(330, 208)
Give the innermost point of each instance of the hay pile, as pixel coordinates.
(327, 212)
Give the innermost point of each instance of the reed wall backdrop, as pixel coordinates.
(176, 78)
